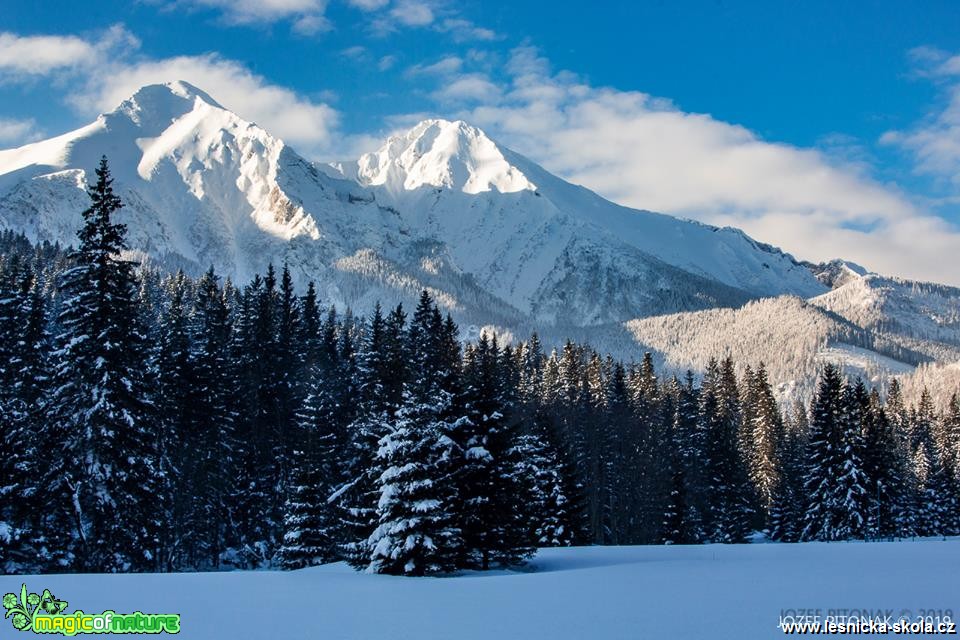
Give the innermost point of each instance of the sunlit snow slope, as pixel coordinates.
(497, 238)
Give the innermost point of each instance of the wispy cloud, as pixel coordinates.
(387, 62)
(307, 17)
(368, 5)
(647, 153)
(465, 31)
(412, 13)
(934, 142)
(356, 52)
(110, 74)
(443, 67)
(43, 54)
(14, 132)
(470, 87)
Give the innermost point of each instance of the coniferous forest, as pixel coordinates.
(156, 422)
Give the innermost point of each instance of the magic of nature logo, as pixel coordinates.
(44, 613)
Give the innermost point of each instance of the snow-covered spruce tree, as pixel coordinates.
(311, 526)
(267, 392)
(257, 477)
(493, 523)
(289, 374)
(100, 435)
(563, 409)
(835, 483)
(907, 505)
(176, 421)
(951, 434)
(948, 450)
(681, 518)
(416, 533)
(728, 511)
(853, 481)
(617, 417)
(382, 374)
(785, 517)
(24, 345)
(885, 468)
(209, 477)
(14, 432)
(321, 450)
(765, 428)
(642, 439)
(543, 491)
(935, 484)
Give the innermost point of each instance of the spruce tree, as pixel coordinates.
(785, 517)
(765, 428)
(727, 490)
(213, 461)
(885, 469)
(382, 375)
(681, 518)
(311, 532)
(416, 532)
(489, 478)
(835, 483)
(24, 345)
(101, 456)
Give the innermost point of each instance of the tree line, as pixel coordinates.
(159, 422)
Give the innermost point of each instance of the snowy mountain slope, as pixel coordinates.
(520, 248)
(918, 310)
(440, 170)
(836, 273)
(792, 337)
(197, 182)
(676, 592)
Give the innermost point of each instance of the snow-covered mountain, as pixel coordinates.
(516, 226)
(496, 238)
(791, 336)
(872, 326)
(499, 239)
(918, 310)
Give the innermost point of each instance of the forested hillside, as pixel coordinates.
(169, 423)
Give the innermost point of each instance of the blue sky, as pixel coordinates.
(831, 129)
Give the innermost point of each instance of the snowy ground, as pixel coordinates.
(670, 593)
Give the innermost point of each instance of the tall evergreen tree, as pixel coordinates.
(885, 469)
(494, 528)
(208, 478)
(100, 431)
(416, 532)
(835, 481)
(727, 490)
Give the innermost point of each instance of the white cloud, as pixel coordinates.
(305, 124)
(244, 11)
(468, 87)
(443, 67)
(307, 16)
(934, 142)
(355, 52)
(464, 31)
(369, 5)
(412, 13)
(312, 24)
(647, 153)
(43, 54)
(14, 132)
(386, 63)
(113, 71)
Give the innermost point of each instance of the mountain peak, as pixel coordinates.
(442, 153)
(155, 106)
